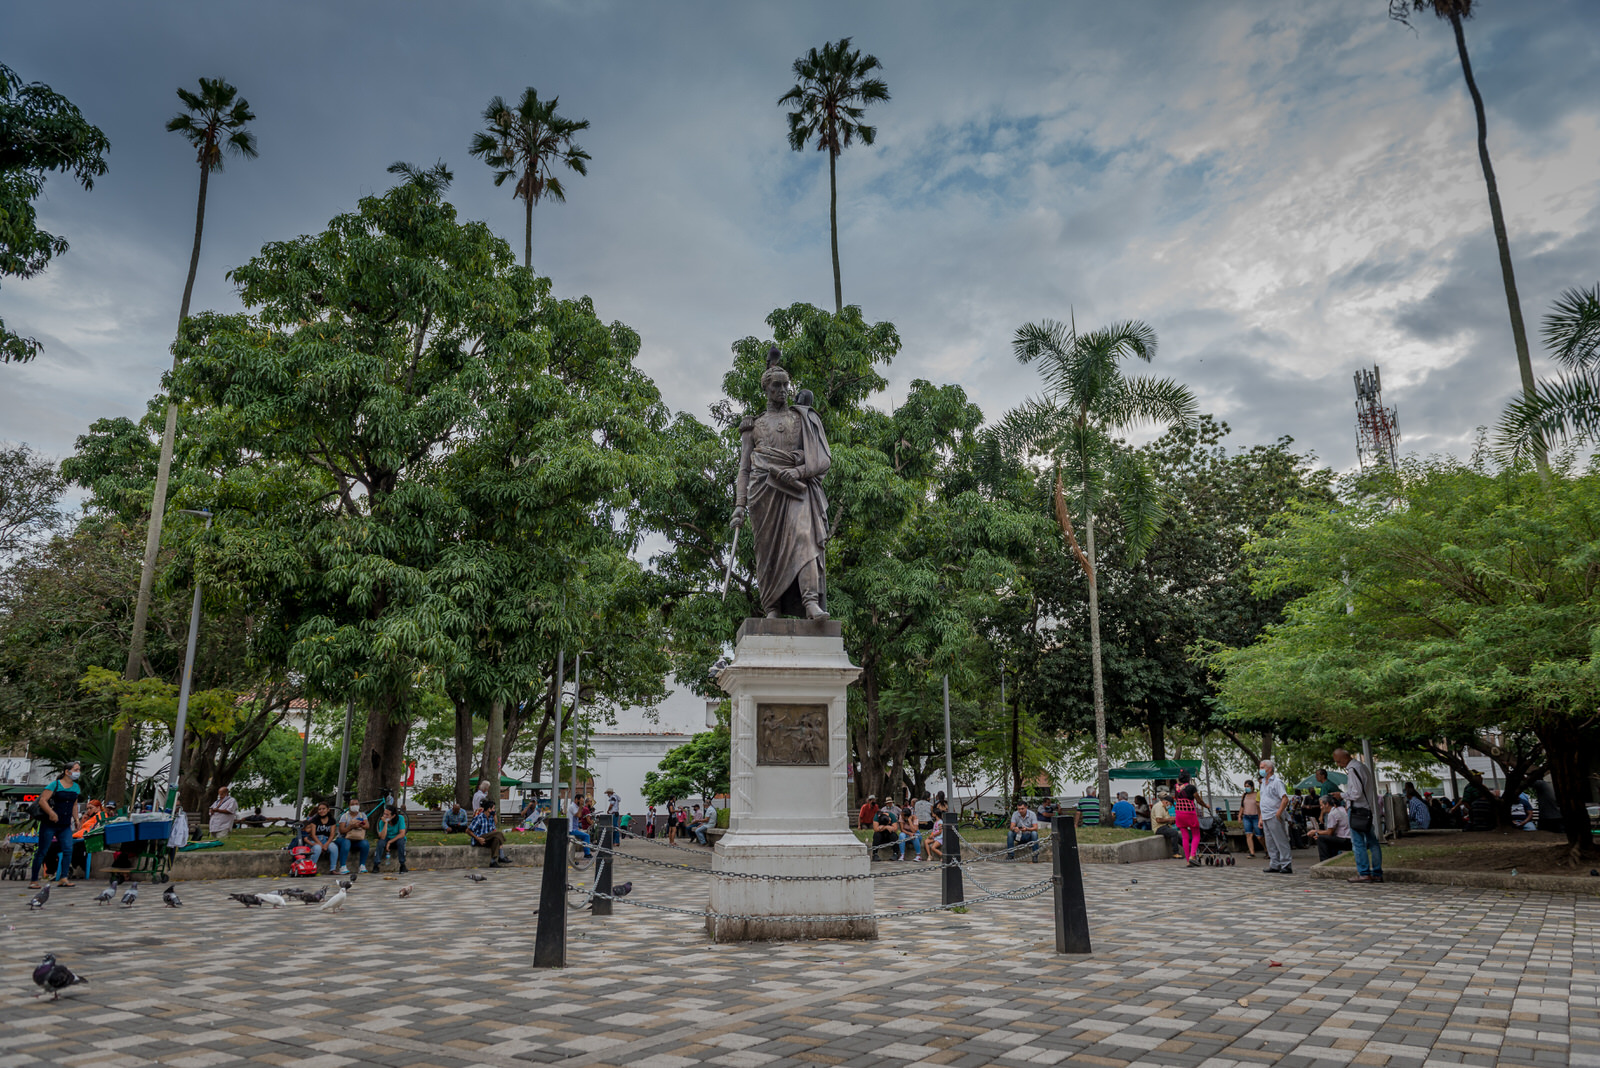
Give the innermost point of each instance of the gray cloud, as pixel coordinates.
(1285, 193)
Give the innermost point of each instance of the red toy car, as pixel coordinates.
(300, 862)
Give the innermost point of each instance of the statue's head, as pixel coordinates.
(774, 380)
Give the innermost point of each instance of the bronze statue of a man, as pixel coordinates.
(783, 455)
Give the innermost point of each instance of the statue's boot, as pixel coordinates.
(813, 609)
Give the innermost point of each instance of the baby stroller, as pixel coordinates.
(23, 846)
(300, 862)
(1214, 850)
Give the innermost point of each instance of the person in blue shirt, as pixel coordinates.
(1122, 812)
(391, 837)
(1417, 809)
(455, 819)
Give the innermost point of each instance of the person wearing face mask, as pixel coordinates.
(353, 833)
(1274, 820)
(58, 818)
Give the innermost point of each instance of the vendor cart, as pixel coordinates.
(142, 845)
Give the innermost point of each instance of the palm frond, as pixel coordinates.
(1046, 338)
(1564, 410)
(1031, 426)
(1572, 328)
(1140, 500)
(1148, 400)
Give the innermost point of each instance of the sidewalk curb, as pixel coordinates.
(1587, 886)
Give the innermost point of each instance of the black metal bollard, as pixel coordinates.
(1072, 911)
(550, 935)
(950, 888)
(605, 864)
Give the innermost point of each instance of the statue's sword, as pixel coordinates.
(727, 576)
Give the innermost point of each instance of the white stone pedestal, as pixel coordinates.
(787, 683)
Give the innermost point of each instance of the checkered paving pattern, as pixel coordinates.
(1183, 974)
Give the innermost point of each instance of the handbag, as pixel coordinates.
(1361, 819)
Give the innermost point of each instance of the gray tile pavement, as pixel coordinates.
(1195, 968)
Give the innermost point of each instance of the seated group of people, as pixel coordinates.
(916, 827)
(339, 836)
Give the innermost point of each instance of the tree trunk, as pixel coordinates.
(463, 747)
(1266, 745)
(1102, 767)
(1519, 333)
(1569, 751)
(1016, 751)
(117, 782)
(1157, 726)
(380, 769)
(833, 225)
(527, 238)
(491, 752)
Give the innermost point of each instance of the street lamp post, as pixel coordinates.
(305, 744)
(175, 765)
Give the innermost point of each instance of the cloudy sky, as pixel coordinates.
(1285, 191)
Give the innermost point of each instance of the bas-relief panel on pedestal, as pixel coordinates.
(792, 735)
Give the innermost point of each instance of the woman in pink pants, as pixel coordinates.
(1186, 805)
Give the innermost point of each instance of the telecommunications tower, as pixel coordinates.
(1377, 427)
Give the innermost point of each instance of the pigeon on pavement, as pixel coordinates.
(55, 977)
(475, 877)
(169, 897)
(405, 891)
(622, 891)
(308, 898)
(37, 900)
(270, 899)
(247, 900)
(108, 893)
(336, 902)
(131, 895)
(346, 884)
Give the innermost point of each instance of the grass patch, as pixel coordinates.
(1087, 835)
(248, 839)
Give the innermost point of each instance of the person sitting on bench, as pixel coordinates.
(483, 832)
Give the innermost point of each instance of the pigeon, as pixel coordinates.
(37, 900)
(475, 877)
(291, 893)
(169, 897)
(55, 977)
(270, 899)
(131, 896)
(622, 891)
(346, 884)
(405, 891)
(108, 893)
(247, 900)
(308, 898)
(336, 902)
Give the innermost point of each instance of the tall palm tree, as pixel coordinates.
(434, 181)
(1088, 402)
(526, 144)
(213, 121)
(1567, 409)
(1456, 12)
(830, 95)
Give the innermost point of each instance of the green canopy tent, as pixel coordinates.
(505, 780)
(1145, 770)
(1339, 778)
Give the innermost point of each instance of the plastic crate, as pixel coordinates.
(119, 832)
(154, 830)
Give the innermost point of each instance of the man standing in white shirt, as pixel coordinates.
(1274, 825)
(224, 810)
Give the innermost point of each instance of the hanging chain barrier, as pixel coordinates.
(1021, 893)
(984, 856)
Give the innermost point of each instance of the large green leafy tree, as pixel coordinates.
(1089, 400)
(30, 497)
(830, 95)
(917, 550)
(214, 122)
(40, 131)
(1451, 600)
(407, 421)
(701, 767)
(526, 145)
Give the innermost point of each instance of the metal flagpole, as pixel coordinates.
(344, 752)
(949, 760)
(175, 765)
(577, 699)
(305, 743)
(555, 760)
